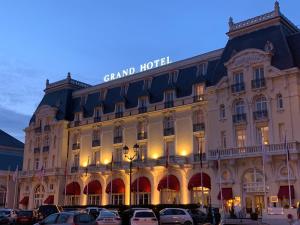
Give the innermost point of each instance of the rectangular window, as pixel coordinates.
(51, 187)
(223, 139)
(77, 117)
(169, 96)
(202, 68)
(118, 131)
(119, 108)
(96, 135)
(169, 148)
(36, 164)
(76, 160)
(241, 138)
(142, 152)
(199, 89)
(238, 78)
(258, 73)
(96, 158)
(281, 132)
(118, 155)
(262, 135)
(97, 112)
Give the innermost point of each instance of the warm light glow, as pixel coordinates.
(183, 152)
(85, 164)
(106, 161)
(155, 156)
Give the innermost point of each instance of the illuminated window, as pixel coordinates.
(223, 139)
(199, 89)
(169, 148)
(38, 196)
(76, 160)
(96, 157)
(241, 138)
(263, 135)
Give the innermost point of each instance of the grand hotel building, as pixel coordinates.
(233, 105)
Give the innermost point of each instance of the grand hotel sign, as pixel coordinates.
(142, 67)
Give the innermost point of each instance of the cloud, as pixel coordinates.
(13, 123)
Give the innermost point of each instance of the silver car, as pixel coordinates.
(175, 216)
(68, 218)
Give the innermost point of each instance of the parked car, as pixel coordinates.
(93, 211)
(143, 217)
(11, 215)
(46, 210)
(198, 216)
(4, 219)
(26, 217)
(127, 214)
(68, 218)
(108, 217)
(175, 215)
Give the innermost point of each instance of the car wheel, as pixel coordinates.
(187, 223)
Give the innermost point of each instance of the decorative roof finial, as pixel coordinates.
(230, 23)
(47, 82)
(69, 76)
(276, 8)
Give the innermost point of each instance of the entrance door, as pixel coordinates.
(248, 204)
(259, 203)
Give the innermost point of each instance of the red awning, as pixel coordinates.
(141, 184)
(24, 200)
(169, 182)
(117, 186)
(93, 188)
(73, 189)
(195, 181)
(226, 194)
(284, 192)
(49, 199)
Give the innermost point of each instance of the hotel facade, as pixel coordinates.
(209, 129)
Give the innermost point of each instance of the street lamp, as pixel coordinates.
(130, 158)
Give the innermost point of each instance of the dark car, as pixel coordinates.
(4, 220)
(26, 217)
(69, 218)
(198, 216)
(46, 210)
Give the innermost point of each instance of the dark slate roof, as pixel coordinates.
(9, 141)
(10, 162)
(294, 42)
(61, 100)
(282, 58)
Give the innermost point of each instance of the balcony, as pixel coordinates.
(47, 128)
(238, 87)
(76, 123)
(260, 115)
(258, 83)
(38, 129)
(46, 149)
(97, 119)
(76, 146)
(169, 131)
(95, 143)
(118, 140)
(119, 114)
(198, 98)
(254, 187)
(142, 109)
(239, 118)
(37, 150)
(198, 127)
(253, 151)
(169, 104)
(142, 136)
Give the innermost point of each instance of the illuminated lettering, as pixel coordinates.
(149, 65)
(106, 78)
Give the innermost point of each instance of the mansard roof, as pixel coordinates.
(294, 42)
(7, 140)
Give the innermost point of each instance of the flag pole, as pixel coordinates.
(220, 180)
(264, 172)
(201, 173)
(111, 169)
(7, 182)
(16, 186)
(288, 170)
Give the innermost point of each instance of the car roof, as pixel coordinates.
(173, 208)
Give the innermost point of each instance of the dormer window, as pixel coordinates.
(198, 92)
(76, 141)
(97, 114)
(77, 118)
(143, 104)
(119, 110)
(202, 69)
(142, 130)
(169, 98)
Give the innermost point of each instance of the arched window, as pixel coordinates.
(222, 111)
(253, 181)
(279, 100)
(239, 107)
(38, 196)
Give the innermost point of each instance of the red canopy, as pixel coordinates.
(226, 194)
(195, 181)
(141, 184)
(73, 189)
(169, 182)
(118, 186)
(93, 188)
(284, 192)
(24, 200)
(49, 199)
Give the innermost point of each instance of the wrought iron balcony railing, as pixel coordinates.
(142, 136)
(96, 143)
(238, 87)
(198, 127)
(169, 131)
(260, 115)
(118, 140)
(169, 104)
(258, 83)
(239, 118)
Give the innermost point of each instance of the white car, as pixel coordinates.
(175, 216)
(143, 217)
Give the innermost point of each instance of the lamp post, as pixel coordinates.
(130, 158)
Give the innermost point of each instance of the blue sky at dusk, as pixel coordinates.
(43, 39)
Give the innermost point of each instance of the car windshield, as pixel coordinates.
(107, 214)
(25, 213)
(144, 214)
